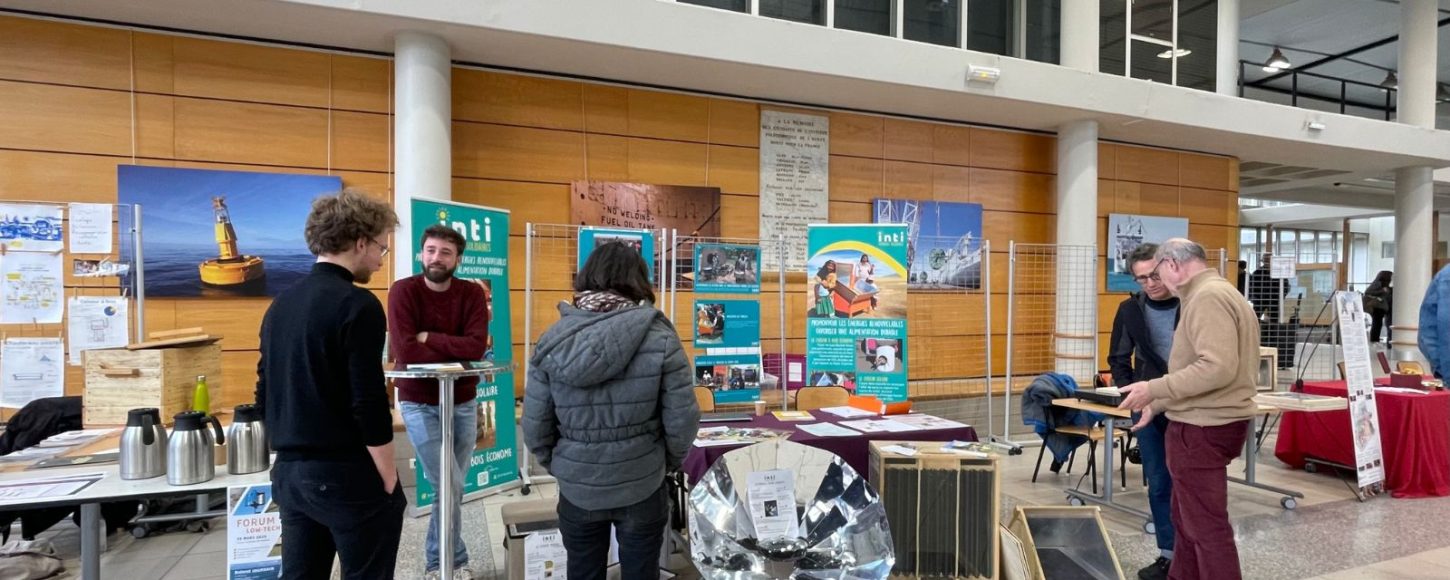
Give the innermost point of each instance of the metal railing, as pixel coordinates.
(1388, 108)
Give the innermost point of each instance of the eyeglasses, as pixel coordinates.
(380, 245)
(1151, 275)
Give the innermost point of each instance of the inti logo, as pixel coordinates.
(469, 229)
(883, 238)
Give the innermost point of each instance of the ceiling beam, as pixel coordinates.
(1334, 57)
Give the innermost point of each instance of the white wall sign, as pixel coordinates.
(96, 322)
(795, 156)
(30, 369)
(31, 288)
(90, 228)
(1363, 412)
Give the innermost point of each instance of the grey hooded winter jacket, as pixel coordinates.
(610, 404)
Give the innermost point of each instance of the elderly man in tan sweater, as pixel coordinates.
(1208, 397)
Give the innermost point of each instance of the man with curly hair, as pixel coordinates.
(320, 385)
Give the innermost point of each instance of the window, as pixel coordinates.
(731, 5)
(1164, 41)
(807, 11)
(989, 26)
(933, 21)
(1044, 19)
(873, 16)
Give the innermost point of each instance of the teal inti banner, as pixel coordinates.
(856, 308)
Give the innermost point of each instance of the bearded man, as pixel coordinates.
(432, 318)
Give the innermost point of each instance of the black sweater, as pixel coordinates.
(320, 379)
(1131, 356)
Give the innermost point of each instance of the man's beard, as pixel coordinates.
(437, 274)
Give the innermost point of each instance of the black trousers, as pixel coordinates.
(1377, 322)
(640, 529)
(337, 507)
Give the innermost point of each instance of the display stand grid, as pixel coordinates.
(1052, 304)
(951, 351)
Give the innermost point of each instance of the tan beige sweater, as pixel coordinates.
(1214, 365)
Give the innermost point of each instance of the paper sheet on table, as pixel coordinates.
(848, 412)
(827, 430)
(928, 422)
(32, 286)
(97, 322)
(30, 369)
(45, 487)
(90, 228)
(545, 557)
(1405, 390)
(879, 426)
(772, 503)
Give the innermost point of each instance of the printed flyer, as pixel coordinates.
(485, 262)
(254, 534)
(727, 324)
(856, 309)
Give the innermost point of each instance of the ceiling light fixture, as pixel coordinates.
(1391, 81)
(1180, 53)
(1277, 62)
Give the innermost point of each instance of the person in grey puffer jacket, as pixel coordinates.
(609, 408)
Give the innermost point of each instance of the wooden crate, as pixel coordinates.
(118, 380)
(943, 510)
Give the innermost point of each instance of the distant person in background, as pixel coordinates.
(1243, 277)
(1265, 291)
(1435, 323)
(1377, 303)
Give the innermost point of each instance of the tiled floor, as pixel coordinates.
(1331, 535)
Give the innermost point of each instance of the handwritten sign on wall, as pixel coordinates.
(691, 210)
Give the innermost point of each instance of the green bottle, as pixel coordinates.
(201, 398)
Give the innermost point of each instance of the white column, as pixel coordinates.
(422, 146)
(1414, 186)
(1414, 196)
(1077, 225)
(1228, 47)
(1079, 35)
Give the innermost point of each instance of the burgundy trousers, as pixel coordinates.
(1198, 459)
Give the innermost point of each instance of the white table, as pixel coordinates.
(113, 488)
(444, 486)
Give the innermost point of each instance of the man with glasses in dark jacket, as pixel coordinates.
(1142, 338)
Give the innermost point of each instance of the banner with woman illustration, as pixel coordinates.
(856, 308)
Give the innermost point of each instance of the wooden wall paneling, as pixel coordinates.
(250, 72)
(606, 109)
(360, 141)
(1023, 228)
(1233, 174)
(907, 141)
(739, 216)
(373, 183)
(554, 263)
(1147, 165)
(606, 158)
(946, 313)
(734, 123)
(843, 212)
(45, 51)
(856, 179)
(1108, 309)
(1212, 237)
(517, 153)
(733, 169)
(1107, 161)
(667, 162)
(1158, 200)
(64, 119)
(1127, 197)
(512, 99)
(237, 320)
(1000, 262)
(906, 180)
(1013, 191)
(155, 126)
(541, 203)
(208, 130)
(997, 149)
(951, 145)
(361, 83)
(32, 175)
(857, 136)
(1107, 197)
(1204, 171)
(951, 183)
(239, 378)
(1207, 206)
(154, 64)
(670, 116)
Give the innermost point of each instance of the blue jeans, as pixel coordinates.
(1160, 484)
(423, 430)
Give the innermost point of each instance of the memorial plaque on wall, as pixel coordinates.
(647, 207)
(795, 156)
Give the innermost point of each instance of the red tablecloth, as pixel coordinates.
(856, 451)
(1414, 434)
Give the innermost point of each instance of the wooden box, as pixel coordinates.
(1066, 543)
(942, 507)
(118, 380)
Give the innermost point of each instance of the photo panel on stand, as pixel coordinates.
(642, 241)
(727, 324)
(732, 378)
(727, 269)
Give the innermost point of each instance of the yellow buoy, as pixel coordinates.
(230, 267)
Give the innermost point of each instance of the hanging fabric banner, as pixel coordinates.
(856, 308)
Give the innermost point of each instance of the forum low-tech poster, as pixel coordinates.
(485, 261)
(856, 308)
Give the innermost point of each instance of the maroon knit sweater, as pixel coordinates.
(456, 321)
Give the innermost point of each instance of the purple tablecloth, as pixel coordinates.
(855, 450)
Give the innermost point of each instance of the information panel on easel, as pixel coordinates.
(1363, 412)
(726, 320)
(856, 308)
